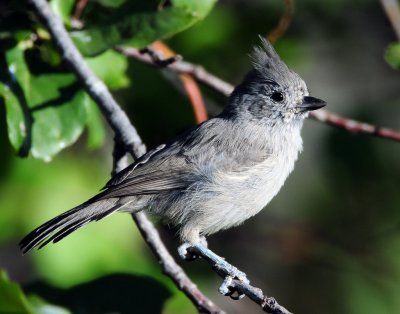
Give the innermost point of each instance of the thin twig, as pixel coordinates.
(194, 70)
(392, 9)
(226, 89)
(188, 82)
(268, 304)
(76, 21)
(195, 97)
(284, 22)
(354, 126)
(127, 136)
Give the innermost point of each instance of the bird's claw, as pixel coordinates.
(226, 289)
(184, 252)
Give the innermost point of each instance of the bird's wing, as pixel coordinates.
(157, 171)
(211, 145)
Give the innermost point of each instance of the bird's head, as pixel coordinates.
(271, 92)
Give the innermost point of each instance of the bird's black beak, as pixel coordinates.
(311, 103)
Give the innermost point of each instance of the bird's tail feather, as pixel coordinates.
(59, 227)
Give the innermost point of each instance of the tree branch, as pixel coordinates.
(115, 116)
(392, 9)
(231, 285)
(354, 126)
(268, 304)
(181, 66)
(225, 88)
(127, 136)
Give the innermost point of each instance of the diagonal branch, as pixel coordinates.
(231, 285)
(127, 136)
(392, 9)
(115, 116)
(225, 88)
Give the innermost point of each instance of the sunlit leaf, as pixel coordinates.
(138, 24)
(14, 77)
(45, 113)
(56, 124)
(15, 117)
(111, 68)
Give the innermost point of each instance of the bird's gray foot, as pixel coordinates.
(186, 253)
(222, 267)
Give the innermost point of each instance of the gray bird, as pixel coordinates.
(216, 175)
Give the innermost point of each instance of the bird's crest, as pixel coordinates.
(267, 62)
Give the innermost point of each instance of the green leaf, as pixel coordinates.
(96, 133)
(63, 9)
(13, 300)
(45, 113)
(111, 68)
(15, 115)
(137, 24)
(60, 125)
(392, 55)
(12, 66)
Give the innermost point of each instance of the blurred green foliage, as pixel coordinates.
(13, 300)
(393, 55)
(329, 242)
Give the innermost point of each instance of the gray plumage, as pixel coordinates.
(215, 175)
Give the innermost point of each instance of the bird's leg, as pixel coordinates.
(186, 253)
(222, 267)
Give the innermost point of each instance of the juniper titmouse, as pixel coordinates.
(215, 175)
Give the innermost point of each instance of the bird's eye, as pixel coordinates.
(277, 96)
